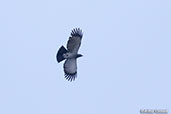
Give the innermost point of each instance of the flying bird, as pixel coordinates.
(70, 54)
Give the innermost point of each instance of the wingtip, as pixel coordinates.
(70, 77)
(77, 32)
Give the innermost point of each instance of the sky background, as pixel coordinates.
(126, 64)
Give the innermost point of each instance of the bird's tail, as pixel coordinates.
(60, 53)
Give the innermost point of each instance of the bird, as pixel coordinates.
(70, 54)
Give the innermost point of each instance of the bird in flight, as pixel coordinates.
(70, 54)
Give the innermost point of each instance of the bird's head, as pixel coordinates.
(79, 55)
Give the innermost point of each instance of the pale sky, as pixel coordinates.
(126, 63)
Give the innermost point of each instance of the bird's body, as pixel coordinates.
(71, 54)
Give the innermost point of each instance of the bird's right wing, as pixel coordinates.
(74, 41)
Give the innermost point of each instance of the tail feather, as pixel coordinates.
(60, 53)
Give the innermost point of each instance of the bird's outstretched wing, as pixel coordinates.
(74, 41)
(70, 69)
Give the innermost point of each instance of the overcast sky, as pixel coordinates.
(126, 63)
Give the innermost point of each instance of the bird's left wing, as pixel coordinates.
(70, 69)
(74, 41)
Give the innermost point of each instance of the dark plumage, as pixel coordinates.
(77, 32)
(70, 54)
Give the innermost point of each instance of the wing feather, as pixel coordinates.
(70, 69)
(74, 41)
